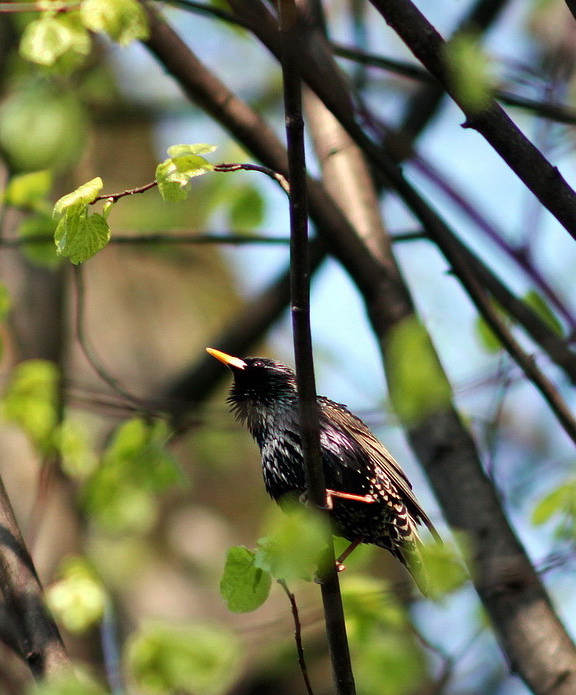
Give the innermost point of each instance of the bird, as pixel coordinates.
(370, 498)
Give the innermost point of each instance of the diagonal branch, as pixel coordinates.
(530, 165)
(38, 636)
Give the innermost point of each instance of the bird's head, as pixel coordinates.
(260, 385)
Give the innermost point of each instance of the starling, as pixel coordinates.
(371, 499)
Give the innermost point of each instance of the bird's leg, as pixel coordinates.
(368, 499)
(339, 566)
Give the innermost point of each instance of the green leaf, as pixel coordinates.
(389, 663)
(27, 190)
(560, 500)
(197, 658)
(79, 237)
(247, 209)
(42, 127)
(293, 546)
(47, 39)
(77, 455)
(175, 151)
(173, 175)
(123, 20)
(78, 201)
(243, 586)
(470, 72)
(418, 386)
(444, 568)
(368, 606)
(77, 599)
(40, 252)
(5, 302)
(31, 400)
(135, 468)
(68, 682)
(542, 308)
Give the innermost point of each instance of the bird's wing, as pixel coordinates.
(338, 418)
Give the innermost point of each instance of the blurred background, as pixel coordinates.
(108, 492)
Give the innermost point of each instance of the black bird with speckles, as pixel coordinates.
(371, 497)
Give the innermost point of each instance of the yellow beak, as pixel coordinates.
(228, 360)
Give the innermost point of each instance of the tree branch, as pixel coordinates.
(38, 636)
(530, 165)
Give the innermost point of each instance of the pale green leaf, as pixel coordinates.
(243, 586)
(164, 658)
(45, 40)
(123, 20)
(79, 237)
(78, 458)
(293, 546)
(560, 500)
(37, 250)
(31, 400)
(196, 149)
(78, 200)
(247, 209)
(68, 682)
(542, 308)
(470, 72)
(27, 190)
(5, 302)
(418, 386)
(77, 599)
(42, 127)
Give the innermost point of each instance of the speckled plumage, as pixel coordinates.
(264, 397)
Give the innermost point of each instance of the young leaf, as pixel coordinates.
(198, 148)
(79, 237)
(166, 658)
(562, 499)
(78, 201)
(174, 174)
(5, 302)
(121, 494)
(45, 40)
(78, 598)
(28, 190)
(40, 252)
(247, 209)
(418, 386)
(470, 72)
(31, 400)
(243, 586)
(293, 546)
(540, 306)
(123, 20)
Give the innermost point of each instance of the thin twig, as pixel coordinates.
(297, 636)
(276, 176)
(168, 237)
(224, 168)
(84, 343)
(113, 197)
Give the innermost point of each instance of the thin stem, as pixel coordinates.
(297, 636)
